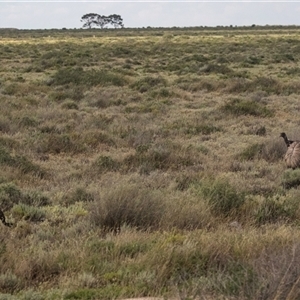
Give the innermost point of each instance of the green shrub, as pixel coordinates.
(223, 198)
(291, 179)
(9, 195)
(78, 76)
(235, 279)
(78, 195)
(276, 209)
(104, 164)
(271, 151)
(161, 156)
(240, 107)
(57, 143)
(22, 163)
(28, 212)
(146, 83)
(35, 198)
(251, 152)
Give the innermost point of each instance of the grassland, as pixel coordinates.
(148, 163)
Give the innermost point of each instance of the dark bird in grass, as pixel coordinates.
(292, 156)
(2, 218)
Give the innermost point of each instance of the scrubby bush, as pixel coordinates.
(10, 283)
(291, 179)
(222, 197)
(104, 164)
(276, 209)
(30, 213)
(57, 143)
(161, 156)
(78, 195)
(9, 195)
(130, 205)
(78, 76)
(271, 151)
(146, 83)
(21, 163)
(240, 107)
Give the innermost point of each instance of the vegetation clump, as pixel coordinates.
(78, 76)
(240, 107)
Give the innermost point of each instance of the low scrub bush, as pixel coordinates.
(28, 121)
(217, 69)
(78, 195)
(104, 164)
(74, 93)
(69, 104)
(35, 198)
(204, 129)
(28, 212)
(57, 143)
(161, 156)
(78, 76)
(276, 209)
(130, 205)
(271, 151)
(291, 179)
(94, 138)
(21, 163)
(240, 107)
(10, 283)
(148, 82)
(222, 197)
(10, 195)
(251, 152)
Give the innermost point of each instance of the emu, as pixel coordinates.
(292, 156)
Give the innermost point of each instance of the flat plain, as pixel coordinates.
(148, 163)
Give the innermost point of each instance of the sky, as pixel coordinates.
(49, 14)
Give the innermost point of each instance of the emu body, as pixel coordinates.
(292, 156)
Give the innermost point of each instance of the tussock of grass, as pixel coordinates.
(222, 198)
(128, 205)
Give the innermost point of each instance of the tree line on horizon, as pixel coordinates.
(95, 20)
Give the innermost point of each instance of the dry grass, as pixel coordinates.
(138, 163)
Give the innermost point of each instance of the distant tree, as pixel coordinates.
(102, 21)
(89, 20)
(92, 19)
(116, 21)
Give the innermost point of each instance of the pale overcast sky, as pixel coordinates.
(58, 14)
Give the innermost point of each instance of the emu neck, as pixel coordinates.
(286, 140)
